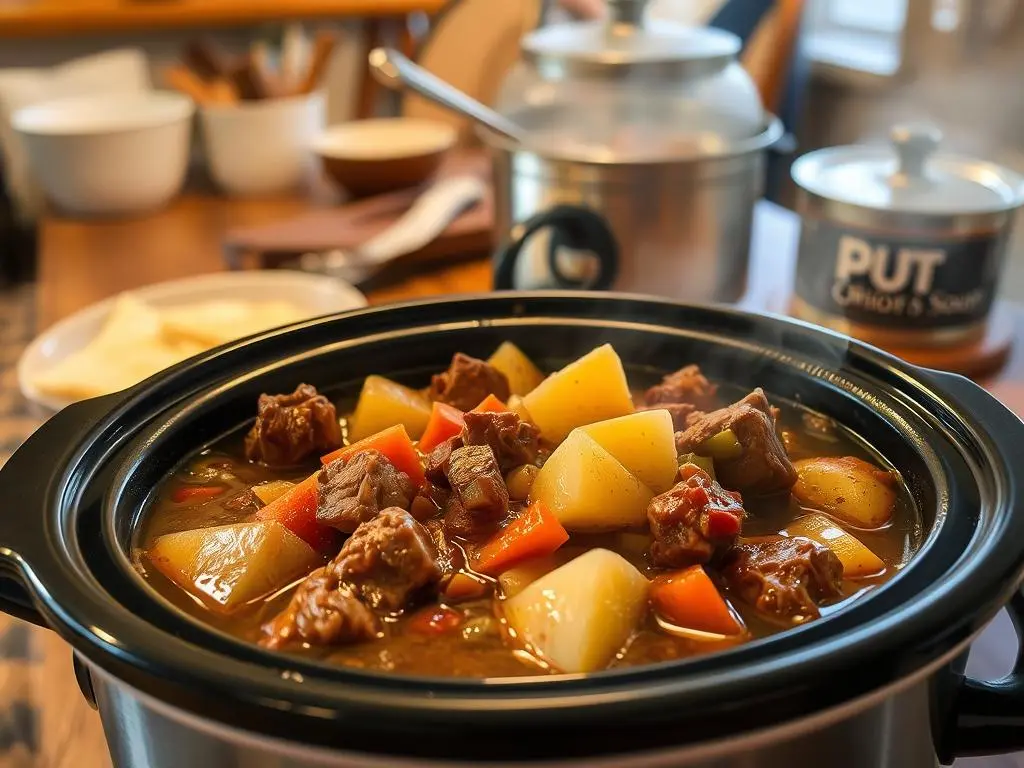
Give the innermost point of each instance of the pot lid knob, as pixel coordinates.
(914, 145)
(627, 11)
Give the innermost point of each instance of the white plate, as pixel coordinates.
(318, 294)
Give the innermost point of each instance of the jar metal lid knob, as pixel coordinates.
(914, 145)
(627, 12)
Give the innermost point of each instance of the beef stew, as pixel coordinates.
(561, 524)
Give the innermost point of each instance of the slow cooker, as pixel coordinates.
(879, 683)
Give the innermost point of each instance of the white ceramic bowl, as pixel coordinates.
(262, 147)
(110, 154)
(317, 294)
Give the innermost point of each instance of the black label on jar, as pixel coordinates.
(878, 279)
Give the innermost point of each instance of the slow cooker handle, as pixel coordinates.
(572, 226)
(990, 714)
(987, 716)
(25, 485)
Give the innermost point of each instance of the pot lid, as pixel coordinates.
(627, 43)
(707, 136)
(909, 176)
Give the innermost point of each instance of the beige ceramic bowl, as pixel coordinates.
(369, 157)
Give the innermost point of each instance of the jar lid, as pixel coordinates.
(909, 176)
(628, 43)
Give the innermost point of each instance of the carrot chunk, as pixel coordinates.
(491, 404)
(295, 509)
(194, 493)
(445, 421)
(535, 533)
(689, 599)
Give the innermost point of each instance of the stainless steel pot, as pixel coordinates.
(654, 126)
(682, 227)
(878, 682)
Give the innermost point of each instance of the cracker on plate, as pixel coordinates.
(128, 349)
(219, 322)
(138, 340)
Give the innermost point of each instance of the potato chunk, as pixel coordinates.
(384, 403)
(849, 488)
(587, 489)
(268, 492)
(858, 561)
(523, 376)
(644, 443)
(580, 615)
(519, 577)
(229, 565)
(515, 404)
(590, 389)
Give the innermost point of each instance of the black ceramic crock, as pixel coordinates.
(877, 683)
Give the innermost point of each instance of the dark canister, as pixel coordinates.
(902, 245)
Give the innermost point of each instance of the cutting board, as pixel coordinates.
(349, 225)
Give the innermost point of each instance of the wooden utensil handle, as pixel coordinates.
(250, 81)
(323, 47)
(222, 92)
(182, 79)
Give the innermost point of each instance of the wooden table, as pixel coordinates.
(55, 18)
(80, 263)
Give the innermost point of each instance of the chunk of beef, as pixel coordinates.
(384, 565)
(693, 520)
(458, 521)
(783, 578)
(687, 385)
(450, 556)
(290, 428)
(479, 497)
(763, 466)
(352, 491)
(467, 382)
(439, 459)
(514, 442)
(322, 611)
(388, 561)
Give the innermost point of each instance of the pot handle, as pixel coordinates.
(990, 714)
(986, 716)
(572, 226)
(25, 484)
